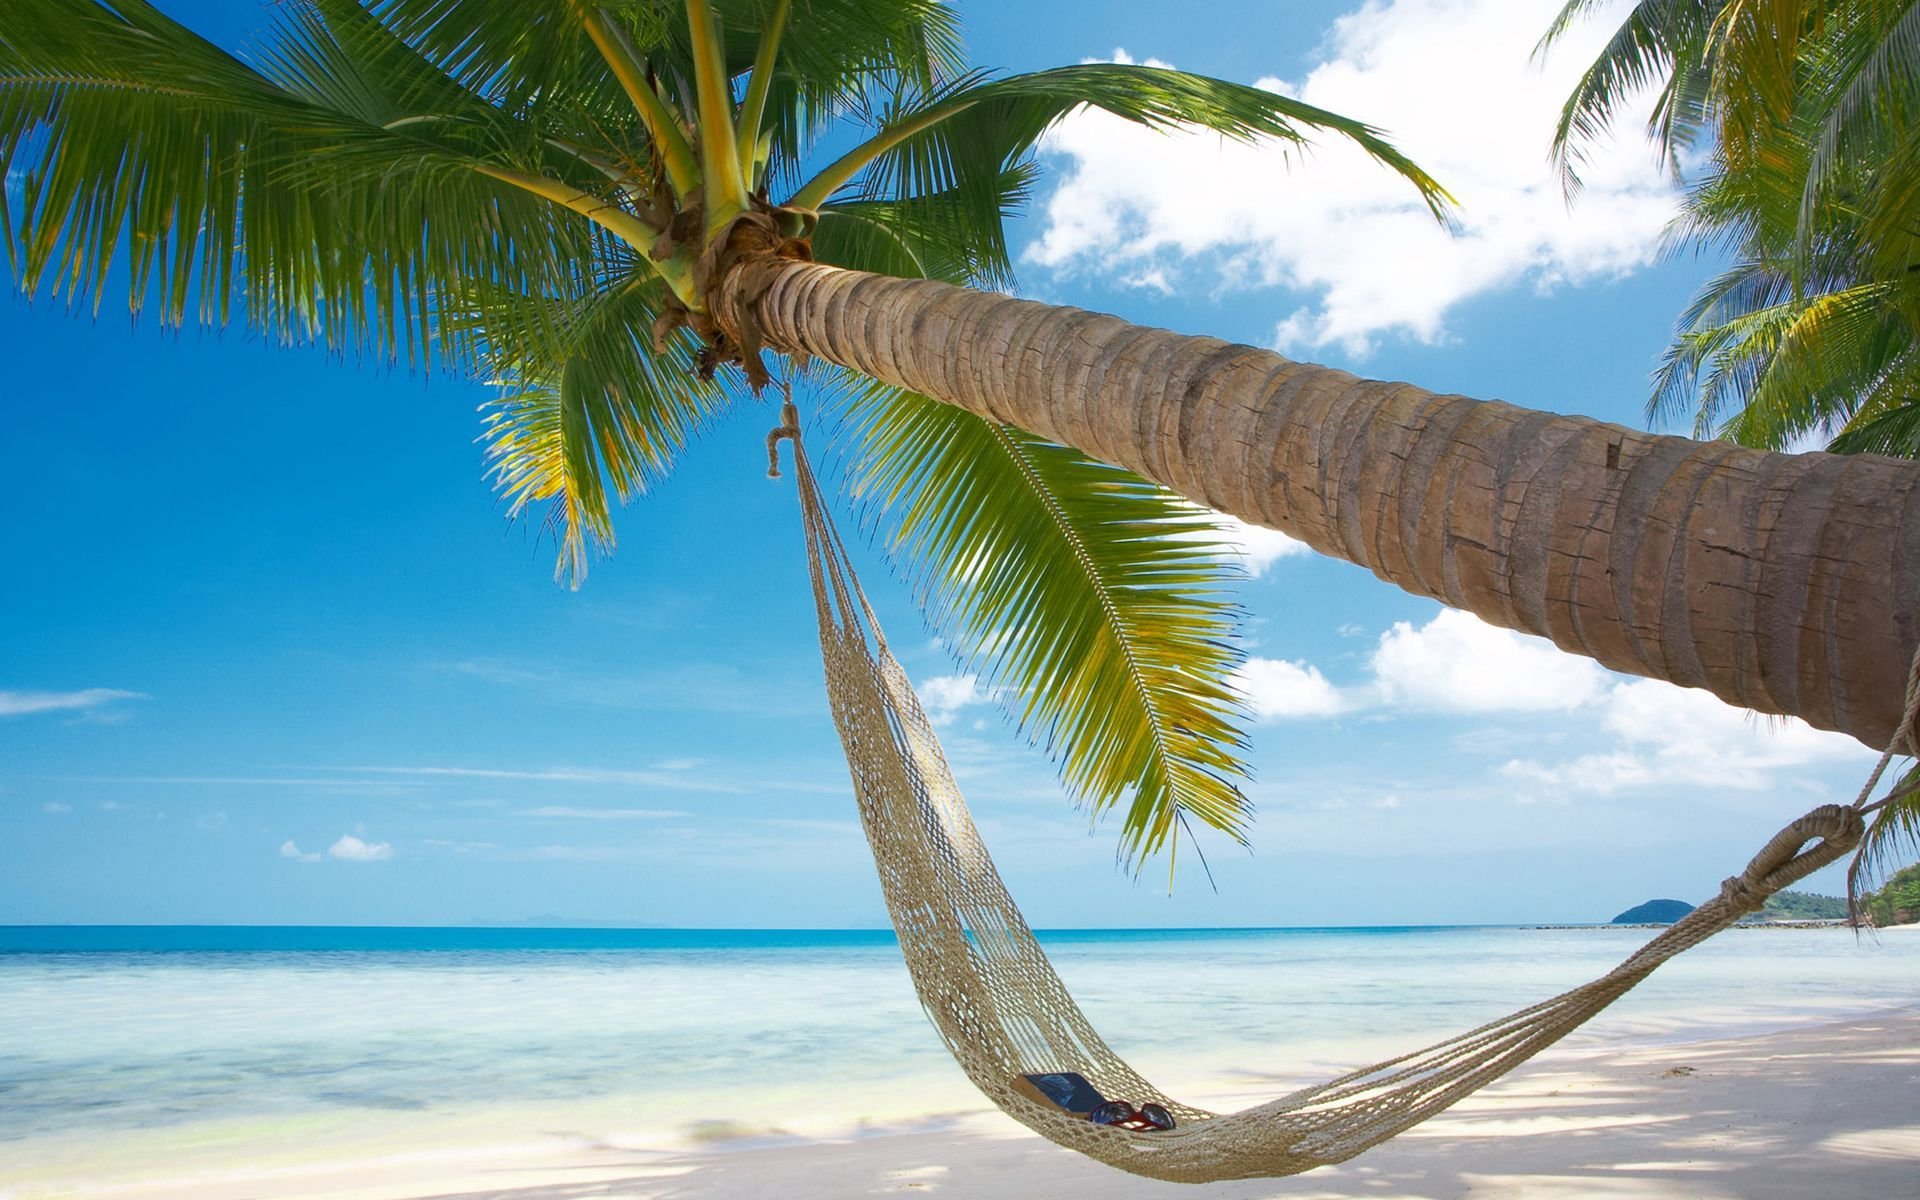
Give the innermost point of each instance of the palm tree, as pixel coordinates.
(1805, 118)
(600, 204)
(1786, 346)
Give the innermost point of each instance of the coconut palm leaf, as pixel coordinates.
(1659, 41)
(1891, 423)
(138, 144)
(1873, 86)
(1830, 358)
(588, 412)
(958, 138)
(1891, 837)
(1093, 605)
(935, 236)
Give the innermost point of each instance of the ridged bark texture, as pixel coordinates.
(1783, 583)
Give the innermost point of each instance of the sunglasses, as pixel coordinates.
(1123, 1115)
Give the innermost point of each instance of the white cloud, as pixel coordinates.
(20, 704)
(54, 806)
(1683, 737)
(1459, 663)
(461, 847)
(1277, 688)
(288, 849)
(1603, 774)
(675, 774)
(575, 854)
(352, 849)
(1454, 663)
(944, 696)
(601, 814)
(1453, 83)
(1257, 546)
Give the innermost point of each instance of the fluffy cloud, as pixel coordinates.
(20, 704)
(1632, 733)
(1459, 663)
(1455, 663)
(1257, 546)
(1674, 736)
(352, 849)
(944, 696)
(291, 849)
(1455, 85)
(1277, 688)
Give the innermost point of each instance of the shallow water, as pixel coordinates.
(695, 1031)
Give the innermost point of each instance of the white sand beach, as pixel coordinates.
(1824, 1111)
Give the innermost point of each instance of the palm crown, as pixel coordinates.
(535, 192)
(1801, 119)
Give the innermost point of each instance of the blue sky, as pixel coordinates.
(270, 651)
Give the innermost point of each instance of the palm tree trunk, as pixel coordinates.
(1783, 583)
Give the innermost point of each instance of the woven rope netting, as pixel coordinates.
(1004, 1013)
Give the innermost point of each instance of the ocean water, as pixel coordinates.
(223, 1037)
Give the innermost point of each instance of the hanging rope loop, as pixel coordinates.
(1834, 829)
(789, 427)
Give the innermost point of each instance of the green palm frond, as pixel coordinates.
(141, 146)
(959, 138)
(1873, 88)
(1829, 361)
(588, 412)
(1661, 41)
(522, 53)
(933, 236)
(1893, 835)
(1890, 222)
(1714, 365)
(1094, 605)
(841, 58)
(1890, 422)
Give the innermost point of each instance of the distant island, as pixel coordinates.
(1654, 912)
(1900, 899)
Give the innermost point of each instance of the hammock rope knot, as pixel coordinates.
(1741, 894)
(787, 429)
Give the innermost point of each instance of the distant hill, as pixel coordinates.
(1654, 912)
(1804, 906)
(1898, 901)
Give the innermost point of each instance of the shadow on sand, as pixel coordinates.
(1827, 1114)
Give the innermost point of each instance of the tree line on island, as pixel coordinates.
(1897, 902)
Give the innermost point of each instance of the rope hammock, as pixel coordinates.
(1004, 1013)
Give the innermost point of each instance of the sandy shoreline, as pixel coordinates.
(1823, 1112)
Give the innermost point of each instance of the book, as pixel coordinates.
(1064, 1089)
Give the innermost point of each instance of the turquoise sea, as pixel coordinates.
(142, 1036)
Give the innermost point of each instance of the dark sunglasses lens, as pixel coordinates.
(1157, 1116)
(1111, 1112)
